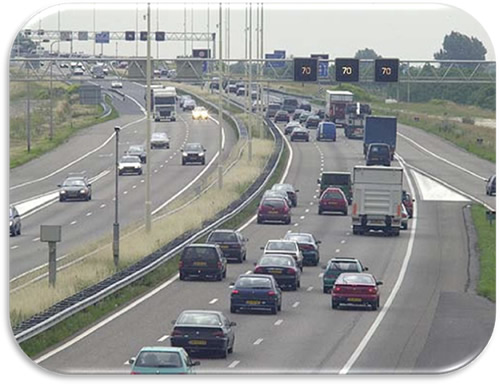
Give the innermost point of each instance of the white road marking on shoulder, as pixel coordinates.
(73, 222)
(213, 301)
(278, 322)
(233, 364)
(163, 338)
(258, 341)
(296, 304)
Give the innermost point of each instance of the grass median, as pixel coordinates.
(38, 344)
(486, 238)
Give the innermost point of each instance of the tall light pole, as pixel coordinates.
(250, 117)
(51, 125)
(148, 125)
(116, 225)
(219, 161)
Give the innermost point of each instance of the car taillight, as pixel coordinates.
(176, 332)
(354, 209)
(218, 334)
(337, 289)
(271, 293)
(290, 271)
(306, 247)
(134, 373)
(235, 292)
(219, 265)
(372, 290)
(398, 211)
(258, 270)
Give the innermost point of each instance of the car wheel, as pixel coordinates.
(298, 283)
(405, 226)
(345, 212)
(259, 220)
(294, 286)
(320, 211)
(183, 162)
(181, 276)
(279, 307)
(230, 350)
(219, 277)
(232, 309)
(334, 305)
(224, 274)
(374, 305)
(288, 221)
(325, 289)
(61, 199)
(274, 309)
(203, 162)
(224, 353)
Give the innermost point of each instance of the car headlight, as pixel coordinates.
(63, 192)
(10, 223)
(83, 191)
(137, 166)
(120, 166)
(201, 154)
(184, 154)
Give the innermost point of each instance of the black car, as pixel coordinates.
(289, 189)
(283, 267)
(232, 243)
(378, 154)
(336, 267)
(14, 221)
(297, 113)
(281, 115)
(137, 150)
(202, 260)
(75, 188)
(491, 186)
(193, 153)
(308, 245)
(203, 331)
(321, 113)
(305, 106)
(312, 121)
(231, 88)
(256, 292)
(299, 133)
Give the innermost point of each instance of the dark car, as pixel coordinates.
(378, 154)
(137, 150)
(308, 245)
(281, 115)
(333, 200)
(203, 331)
(491, 186)
(303, 116)
(193, 153)
(277, 194)
(202, 260)
(231, 88)
(272, 108)
(297, 113)
(290, 190)
(75, 188)
(290, 104)
(283, 267)
(256, 292)
(321, 113)
(274, 209)
(313, 121)
(407, 200)
(299, 134)
(305, 106)
(336, 267)
(14, 221)
(356, 288)
(291, 126)
(232, 243)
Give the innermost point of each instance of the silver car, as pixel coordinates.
(160, 140)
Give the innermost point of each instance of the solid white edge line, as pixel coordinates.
(387, 305)
(106, 321)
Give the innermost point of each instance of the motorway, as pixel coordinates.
(430, 319)
(92, 150)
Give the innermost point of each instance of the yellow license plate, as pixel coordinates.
(199, 263)
(276, 271)
(354, 299)
(197, 342)
(253, 302)
(273, 212)
(224, 246)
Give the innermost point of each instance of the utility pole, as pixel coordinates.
(28, 112)
(137, 30)
(250, 116)
(185, 31)
(116, 225)
(148, 124)
(262, 66)
(219, 166)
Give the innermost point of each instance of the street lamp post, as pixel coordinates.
(116, 225)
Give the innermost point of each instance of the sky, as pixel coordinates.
(408, 32)
(396, 31)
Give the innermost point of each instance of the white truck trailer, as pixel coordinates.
(377, 199)
(336, 104)
(164, 104)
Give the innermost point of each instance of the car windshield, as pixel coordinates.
(253, 282)
(281, 246)
(343, 266)
(74, 183)
(223, 237)
(199, 318)
(193, 147)
(358, 279)
(200, 109)
(130, 159)
(156, 359)
(159, 136)
(11, 212)
(276, 260)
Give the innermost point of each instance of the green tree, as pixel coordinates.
(366, 53)
(457, 46)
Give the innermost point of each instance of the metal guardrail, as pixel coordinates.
(92, 295)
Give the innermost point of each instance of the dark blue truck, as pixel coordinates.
(380, 129)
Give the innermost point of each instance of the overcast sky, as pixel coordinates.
(411, 31)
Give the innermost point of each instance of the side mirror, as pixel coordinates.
(413, 200)
(131, 360)
(365, 269)
(59, 185)
(89, 185)
(232, 324)
(173, 322)
(318, 242)
(379, 282)
(194, 363)
(297, 190)
(261, 248)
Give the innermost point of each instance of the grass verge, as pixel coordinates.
(486, 237)
(89, 316)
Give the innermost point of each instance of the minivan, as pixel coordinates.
(378, 154)
(202, 260)
(326, 131)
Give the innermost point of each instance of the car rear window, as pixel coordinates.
(335, 179)
(192, 318)
(276, 260)
(299, 238)
(273, 203)
(223, 237)
(153, 359)
(253, 282)
(281, 246)
(197, 253)
(332, 195)
(357, 279)
(344, 267)
(379, 150)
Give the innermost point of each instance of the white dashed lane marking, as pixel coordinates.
(102, 205)
(234, 364)
(213, 301)
(278, 322)
(296, 304)
(342, 242)
(258, 341)
(309, 289)
(163, 338)
(73, 222)
(14, 247)
(89, 214)
(35, 239)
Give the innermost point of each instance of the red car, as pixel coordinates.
(333, 200)
(356, 288)
(408, 202)
(274, 209)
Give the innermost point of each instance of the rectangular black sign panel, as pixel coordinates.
(305, 69)
(386, 70)
(130, 35)
(346, 70)
(160, 36)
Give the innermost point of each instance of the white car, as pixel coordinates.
(130, 165)
(200, 113)
(78, 71)
(285, 247)
(160, 140)
(116, 84)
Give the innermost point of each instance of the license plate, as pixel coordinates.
(276, 271)
(377, 221)
(253, 302)
(197, 342)
(224, 246)
(354, 300)
(273, 212)
(200, 263)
